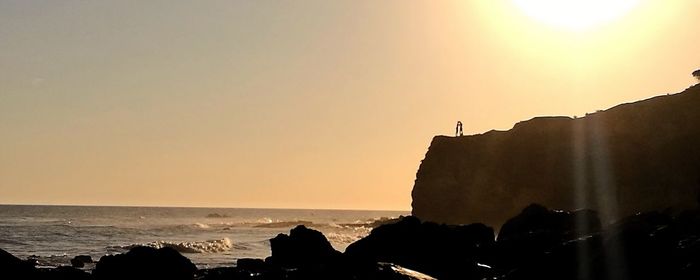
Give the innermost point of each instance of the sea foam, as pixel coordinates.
(191, 247)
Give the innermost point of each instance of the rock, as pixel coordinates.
(635, 157)
(642, 246)
(388, 271)
(12, 267)
(649, 245)
(225, 273)
(145, 263)
(561, 225)
(445, 252)
(80, 261)
(254, 265)
(64, 273)
(301, 248)
(537, 230)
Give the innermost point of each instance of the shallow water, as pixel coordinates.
(210, 237)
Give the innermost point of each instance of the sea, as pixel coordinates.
(210, 237)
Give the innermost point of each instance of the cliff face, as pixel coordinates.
(632, 157)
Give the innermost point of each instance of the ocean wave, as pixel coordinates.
(193, 247)
(217, 215)
(49, 260)
(363, 224)
(201, 226)
(371, 223)
(181, 227)
(11, 242)
(284, 224)
(343, 238)
(273, 223)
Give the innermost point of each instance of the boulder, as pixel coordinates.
(12, 267)
(253, 265)
(303, 247)
(445, 252)
(80, 261)
(651, 245)
(63, 273)
(145, 263)
(560, 225)
(537, 230)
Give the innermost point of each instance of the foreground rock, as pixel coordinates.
(145, 263)
(13, 268)
(80, 261)
(301, 248)
(446, 252)
(537, 230)
(634, 157)
(650, 245)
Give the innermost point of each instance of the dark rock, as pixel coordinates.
(560, 225)
(64, 273)
(445, 252)
(145, 263)
(301, 248)
(388, 271)
(537, 230)
(650, 245)
(251, 264)
(689, 221)
(80, 261)
(641, 247)
(226, 273)
(12, 267)
(635, 157)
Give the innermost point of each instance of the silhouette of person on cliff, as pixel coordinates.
(458, 129)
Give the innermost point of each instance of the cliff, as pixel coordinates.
(633, 157)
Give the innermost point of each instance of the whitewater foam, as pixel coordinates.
(202, 226)
(193, 247)
(45, 234)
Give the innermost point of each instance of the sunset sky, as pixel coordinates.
(301, 104)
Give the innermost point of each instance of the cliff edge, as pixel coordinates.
(632, 157)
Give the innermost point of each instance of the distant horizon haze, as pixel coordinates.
(202, 207)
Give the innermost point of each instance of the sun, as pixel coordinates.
(575, 15)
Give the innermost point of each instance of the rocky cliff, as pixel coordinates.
(633, 157)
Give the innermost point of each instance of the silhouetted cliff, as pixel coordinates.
(633, 157)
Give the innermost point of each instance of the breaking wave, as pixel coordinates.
(284, 224)
(268, 223)
(194, 247)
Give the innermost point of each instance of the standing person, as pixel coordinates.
(458, 129)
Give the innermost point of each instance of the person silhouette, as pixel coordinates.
(458, 129)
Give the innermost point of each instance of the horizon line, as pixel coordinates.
(200, 207)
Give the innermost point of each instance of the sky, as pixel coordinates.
(299, 104)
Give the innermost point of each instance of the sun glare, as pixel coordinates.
(575, 15)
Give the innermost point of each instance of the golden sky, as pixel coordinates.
(300, 104)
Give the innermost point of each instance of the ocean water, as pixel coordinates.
(210, 237)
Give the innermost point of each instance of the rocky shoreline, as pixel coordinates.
(536, 244)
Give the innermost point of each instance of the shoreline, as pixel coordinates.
(538, 243)
(207, 208)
